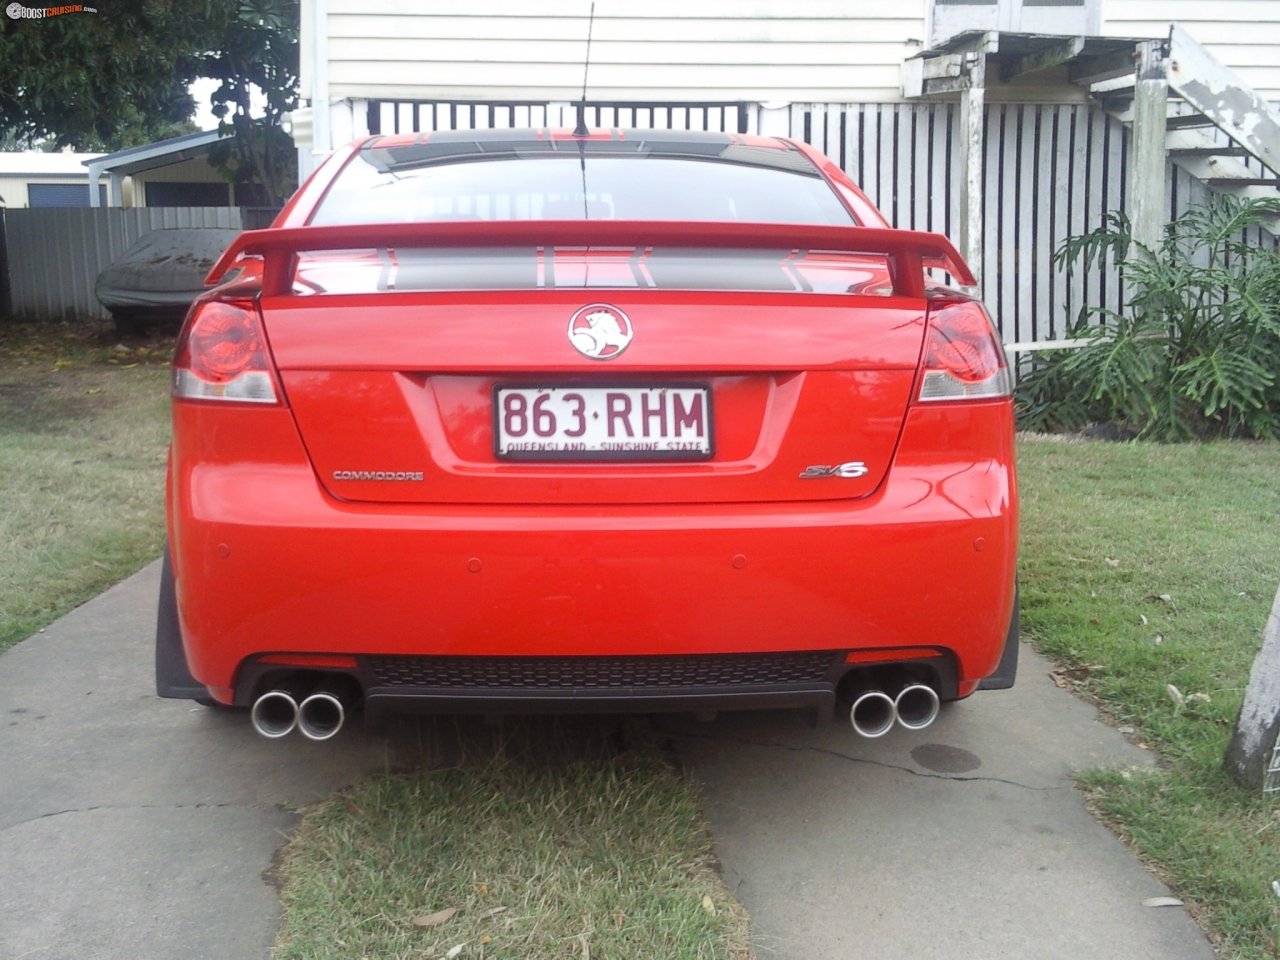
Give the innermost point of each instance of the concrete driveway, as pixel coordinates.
(137, 828)
(965, 840)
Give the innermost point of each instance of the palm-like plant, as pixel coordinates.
(1195, 351)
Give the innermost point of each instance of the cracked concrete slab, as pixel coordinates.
(117, 883)
(967, 839)
(132, 827)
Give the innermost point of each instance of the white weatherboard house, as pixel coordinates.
(1009, 125)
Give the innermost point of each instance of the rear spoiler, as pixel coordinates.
(908, 252)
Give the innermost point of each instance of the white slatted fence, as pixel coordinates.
(1052, 171)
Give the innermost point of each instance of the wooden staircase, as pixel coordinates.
(1179, 101)
(1216, 128)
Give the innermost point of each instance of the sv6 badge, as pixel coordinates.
(848, 471)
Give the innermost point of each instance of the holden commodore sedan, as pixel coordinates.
(520, 421)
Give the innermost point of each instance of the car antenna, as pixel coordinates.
(581, 129)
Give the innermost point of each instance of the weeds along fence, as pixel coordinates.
(54, 255)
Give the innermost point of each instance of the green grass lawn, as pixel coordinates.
(552, 842)
(83, 431)
(1147, 568)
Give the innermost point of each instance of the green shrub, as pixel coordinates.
(1195, 352)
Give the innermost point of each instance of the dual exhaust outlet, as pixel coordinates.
(318, 716)
(874, 712)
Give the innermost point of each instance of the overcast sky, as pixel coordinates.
(201, 90)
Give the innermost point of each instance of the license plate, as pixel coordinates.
(602, 423)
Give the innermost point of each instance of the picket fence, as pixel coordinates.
(1052, 171)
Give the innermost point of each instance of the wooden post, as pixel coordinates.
(1251, 755)
(972, 113)
(1150, 118)
(775, 120)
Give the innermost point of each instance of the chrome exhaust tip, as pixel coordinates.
(321, 716)
(872, 714)
(917, 706)
(274, 714)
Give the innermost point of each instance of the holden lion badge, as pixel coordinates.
(600, 331)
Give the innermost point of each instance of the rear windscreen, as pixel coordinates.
(568, 267)
(377, 186)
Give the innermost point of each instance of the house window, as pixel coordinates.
(162, 194)
(1075, 17)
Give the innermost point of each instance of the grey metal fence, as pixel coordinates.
(55, 255)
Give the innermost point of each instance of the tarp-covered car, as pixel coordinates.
(156, 279)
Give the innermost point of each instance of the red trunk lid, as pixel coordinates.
(394, 393)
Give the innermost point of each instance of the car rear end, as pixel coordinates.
(479, 456)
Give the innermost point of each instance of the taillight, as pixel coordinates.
(963, 357)
(222, 355)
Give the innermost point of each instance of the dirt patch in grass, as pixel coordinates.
(52, 401)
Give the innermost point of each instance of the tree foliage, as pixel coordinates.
(1196, 350)
(101, 81)
(120, 77)
(258, 49)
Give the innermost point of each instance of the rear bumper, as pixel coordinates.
(266, 562)
(658, 700)
(591, 684)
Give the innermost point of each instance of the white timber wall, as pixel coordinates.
(832, 67)
(765, 51)
(1243, 34)
(671, 50)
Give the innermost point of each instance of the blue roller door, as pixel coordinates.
(62, 194)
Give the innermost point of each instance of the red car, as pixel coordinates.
(519, 421)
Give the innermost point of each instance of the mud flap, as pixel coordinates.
(1007, 668)
(173, 679)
